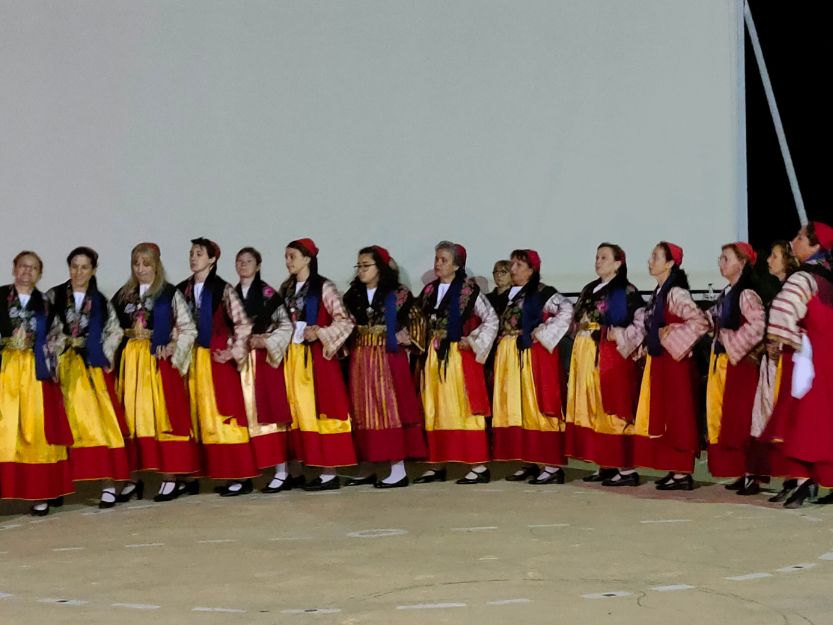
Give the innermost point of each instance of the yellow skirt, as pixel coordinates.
(213, 427)
(584, 392)
(515, 402)
(715, 389)
(445, 401)
(89, 408)
(140, 386)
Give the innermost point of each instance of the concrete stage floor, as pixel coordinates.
(501, 553)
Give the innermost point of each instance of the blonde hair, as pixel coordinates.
(151, 252)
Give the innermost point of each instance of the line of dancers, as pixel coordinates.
(210, 379)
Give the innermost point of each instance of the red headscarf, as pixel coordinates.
(461, 254)
(676, 253)
(824, 234)
(747, 250)
(534, 260)
(308, 244)
(383, 253)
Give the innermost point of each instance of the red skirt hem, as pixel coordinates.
(516, 443)
(35, 482)
(270, 449)
(175, 457)
(466, 446)
(605, 450)
(322, 450)
(99, 463)
(655, 453)
(390, 445)
(230, 461)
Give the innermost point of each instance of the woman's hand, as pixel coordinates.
(222, 355)
(311, 334)
(403, 337)
(164, 351)
(463, 345)
(257, 342)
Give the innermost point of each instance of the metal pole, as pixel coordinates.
(776, 116)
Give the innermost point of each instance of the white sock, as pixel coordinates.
(327, 475)
(166, 488)
(41, 505)
(679, 476)
(431, 472)
(397, 472)
(108, 495)
(480, 468)
(626, 471)
(280, 471)
(234, 487)
(277, 481)
(128, 488)
(547, 472)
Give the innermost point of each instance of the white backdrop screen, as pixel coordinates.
(551, 124)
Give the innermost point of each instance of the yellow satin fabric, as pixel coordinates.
(584, 392)
(140, 387)
(247, 378)
(300, 390)
(515, 402)
(22, 436)
(715, 389)
(444, 399)
(87, 402)
(776, 388)
(214, 428)
(643, 411)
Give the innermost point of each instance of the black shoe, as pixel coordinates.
(684, 483)
(35, 512)
(400, 484)
(284, 486)
(138, 491)
(297, 481)
(827, 499)
(57, 502)
(665, 478)
(317, 485)
(435, 475)
(104, 504)
(245, 488)
(527, 472)
(175, 492)
(552, 477)
(481, 477)
(631, 479)
(750, 486)
(188, 487)
(805, 491)
(737, 484)
(600, 476)
(360, 481)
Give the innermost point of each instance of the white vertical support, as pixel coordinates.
(776, 116)
(741, 191)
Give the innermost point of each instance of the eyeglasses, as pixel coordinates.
(365, 266)
(499, 272)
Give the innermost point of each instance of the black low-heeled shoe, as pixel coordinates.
(188, 487)
(285, 485)
(527, 472)
(138, 491)
(665, 478)
(750, 486)
(175, 492)
(600, 476)
(400, 484)
(42, 512)
(361, 481)
(56, 502)
(631, 479)
(683, 483)
(437, 475)
(297, 481)
(318, 484)
(481, 477)
(246, 488)
(807, 490)
(553, 477)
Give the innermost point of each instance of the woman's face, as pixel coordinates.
(143, 269)
(246, 266)
(731, 266)
(777, 262)
(26, 272)
(199, 259)
(501, 276)
(520, 271)
(80, 271)
(801, 247)
(366, 270)
(657, 263)
(444, 267)
(606, 265)
(295, 261)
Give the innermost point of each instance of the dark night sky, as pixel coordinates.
(797, 49)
